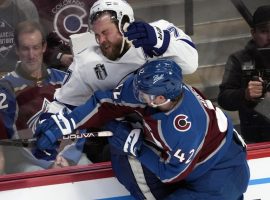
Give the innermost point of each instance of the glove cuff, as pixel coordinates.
(133, 142)
(164, 40)
(160, 35)
(64, 123)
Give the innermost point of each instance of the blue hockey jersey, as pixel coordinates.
(188, 140)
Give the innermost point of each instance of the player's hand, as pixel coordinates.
(152, 39)
(125, 138)
(49, 131)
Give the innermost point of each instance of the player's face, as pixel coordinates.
(108, 37)
(145, 98)
(30, 50)
(261, 36)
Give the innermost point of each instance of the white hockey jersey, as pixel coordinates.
(91, 71)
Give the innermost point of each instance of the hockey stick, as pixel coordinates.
(31, 142)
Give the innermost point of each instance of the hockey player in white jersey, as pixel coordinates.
(111, 57)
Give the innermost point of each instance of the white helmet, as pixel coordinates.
(120, 7)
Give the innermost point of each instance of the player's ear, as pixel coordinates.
(160, 99)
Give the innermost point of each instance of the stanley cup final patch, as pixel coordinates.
(101, 72)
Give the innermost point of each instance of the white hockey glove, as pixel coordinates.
(125, 138)
(52, 129)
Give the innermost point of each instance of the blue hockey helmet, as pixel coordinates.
(158, 77)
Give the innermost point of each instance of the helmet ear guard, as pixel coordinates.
(124, 23)
(159, 77)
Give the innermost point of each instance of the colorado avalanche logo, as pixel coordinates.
(69, 20)
(181, 123)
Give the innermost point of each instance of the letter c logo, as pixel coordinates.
(181, 123)
(69, 20)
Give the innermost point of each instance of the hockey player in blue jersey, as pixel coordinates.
(185, 141)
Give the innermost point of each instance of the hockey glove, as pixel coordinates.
(152, 39)
(52, 129)
(125, 138)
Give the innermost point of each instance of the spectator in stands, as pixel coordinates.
(243, 85)
(33, 85)
(62, 18)
(10, 16)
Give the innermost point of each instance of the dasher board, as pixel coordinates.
(97, 181)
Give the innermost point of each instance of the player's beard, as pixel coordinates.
(113, 51)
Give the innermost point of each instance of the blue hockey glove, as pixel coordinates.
(124, 138)
(152, 39)
(52, 129)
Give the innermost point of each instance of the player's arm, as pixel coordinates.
(163, 39)
(181, 48)
(75, 90)
(62, 123)
(104, 106)
(99, 109)
(174, 167)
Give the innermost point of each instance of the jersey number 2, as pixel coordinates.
(3, 103)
